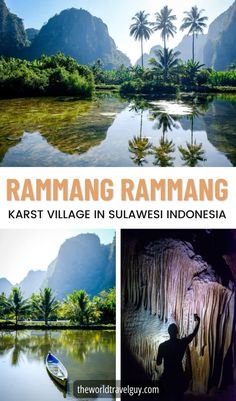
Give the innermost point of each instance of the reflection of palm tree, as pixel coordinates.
(78, 344)
(164, 121)
(139, 146)
(194, 152)
(140, 149)
(15, 357)
(139, 106)
(162, 153)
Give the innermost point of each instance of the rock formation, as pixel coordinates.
(12, 33)
(78, 34)
(31, 34)
(73, 32)
(163, 282)
(220, 48)
(83, 263)
(5, 286)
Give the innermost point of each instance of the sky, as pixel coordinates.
(116, 14)
(25, 250)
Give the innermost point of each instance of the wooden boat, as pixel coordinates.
(56, 369)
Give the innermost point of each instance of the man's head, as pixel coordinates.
(173, 330)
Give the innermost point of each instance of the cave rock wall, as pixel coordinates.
(165, 283)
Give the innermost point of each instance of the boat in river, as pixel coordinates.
(56, 369)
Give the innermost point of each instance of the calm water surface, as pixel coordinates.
(87, 355)
(111, 131)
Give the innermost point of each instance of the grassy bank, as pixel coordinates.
(65, 325)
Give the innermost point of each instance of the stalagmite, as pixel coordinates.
(167, 282)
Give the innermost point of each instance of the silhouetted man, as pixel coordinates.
(172, 383)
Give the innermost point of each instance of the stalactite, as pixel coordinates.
(169, 283)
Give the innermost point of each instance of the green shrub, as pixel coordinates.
(203, 77)
(56, 75)
(130, 87)
(222, 78)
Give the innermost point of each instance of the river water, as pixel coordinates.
(88, 355)
(111, 131)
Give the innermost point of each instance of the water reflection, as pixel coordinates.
(87, 355)
(165, 123)
(193, 153)
(163, 153)
(167, 116)
(69, 125)
(139, 146)
(109, 131)
(77, 343)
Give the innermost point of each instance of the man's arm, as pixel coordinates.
(160, 355)
(193, 334)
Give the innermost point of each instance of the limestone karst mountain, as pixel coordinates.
(5, 286)
(31, 34)
(12, 33)
(82, 263)
(74, 32)
(166, 280)
(78, 34)
(220, 48)
(32, 282)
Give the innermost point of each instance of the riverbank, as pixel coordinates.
(54, 326)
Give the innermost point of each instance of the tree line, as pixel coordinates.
(78, 307)
(142, 28)
(57, 75)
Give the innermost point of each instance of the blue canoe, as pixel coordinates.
(56, 369)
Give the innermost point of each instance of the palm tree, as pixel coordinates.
(46, 304)
(16, 304)
(195, 23)
(167, 61)
(141, 29)
(164, 23)
(78, 306)
(3, 305)
(191, 70)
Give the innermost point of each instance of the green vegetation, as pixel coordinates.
(48, 76)
(222, 78)
(44, 304)
(78, 308)
(61, 75)
(167, 73)
(15, 305)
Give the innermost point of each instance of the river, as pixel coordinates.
(187, 130)
(87, 354)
